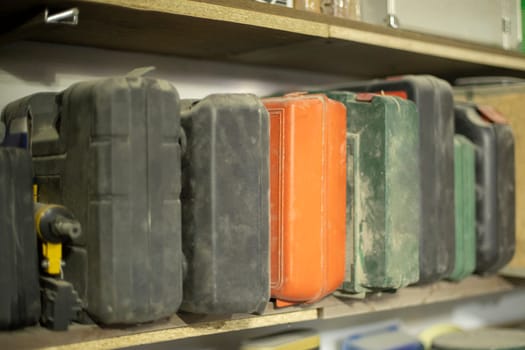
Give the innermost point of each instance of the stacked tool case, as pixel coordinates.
(507, 95)
(465, 206)
(225, 204)
(433, 98)
(308, 196)
(382, 167)
(20, 296)
(495, 199)
(109, 151)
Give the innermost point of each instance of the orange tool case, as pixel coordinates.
(308, 196)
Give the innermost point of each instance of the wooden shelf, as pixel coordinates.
(256, 33)
(187, 325)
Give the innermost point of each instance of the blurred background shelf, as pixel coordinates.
(188, 325)
(256, 33)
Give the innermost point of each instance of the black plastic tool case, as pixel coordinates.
(434, 101)
(2, 131)
(495, 194)
(19, 290)
(109, 151)
(225, 204)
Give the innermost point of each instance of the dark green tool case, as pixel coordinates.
(435, 105)
(465, 207)
(383, 195)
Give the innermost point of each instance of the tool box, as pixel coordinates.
(465, 206)
(225, 204)
(433, 98)
(507, 95)
(382, 246)
(19, 291)
(495, 201)
(109, 151)
(481, 339)
(308, 196)
(56, 228)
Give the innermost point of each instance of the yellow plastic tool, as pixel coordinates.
(428, 335)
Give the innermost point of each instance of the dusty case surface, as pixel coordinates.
(507, 95)
(287, 340)
(465, 207)
(109, 151)
(225, 205)
(433, 98)
(379, 336)
(19, 290)
(382, 191)
(308, 196)
(495, 200)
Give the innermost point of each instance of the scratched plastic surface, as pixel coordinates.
(225, 204)
(109, 150)
(308, 196)
(495, 182)
(433, 98)
(382, 168)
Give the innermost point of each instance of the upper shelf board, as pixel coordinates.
(245, 31)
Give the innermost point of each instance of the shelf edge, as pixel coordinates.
(427, 48)
(200, 329)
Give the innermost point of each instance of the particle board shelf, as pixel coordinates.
(245, 31)
(514, 272)
(187, 325)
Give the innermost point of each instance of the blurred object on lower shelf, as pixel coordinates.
(225, 204)
(109, 151)
(465, 208)
(287, 3)
(506, 94)
(481, 339)
(56, 228)
(488, 22)
(382, 338)
(428, 335)
(289, 340)
(60, 303)
(382, 141)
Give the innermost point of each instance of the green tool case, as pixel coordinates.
(465, 208)
(383, 201)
